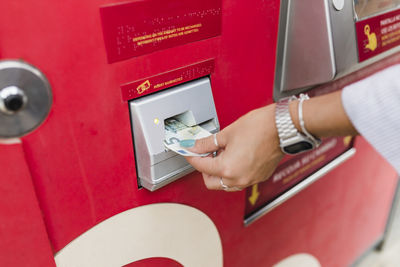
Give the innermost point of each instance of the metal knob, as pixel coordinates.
(338, 4)
(25, 98)
(12, 99)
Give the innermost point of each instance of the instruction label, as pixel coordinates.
(168, 79)
(137, 28)
(378, 34)
(293, 170)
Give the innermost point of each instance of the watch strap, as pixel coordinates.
(284, 123)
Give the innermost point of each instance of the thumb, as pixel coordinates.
(208, 144)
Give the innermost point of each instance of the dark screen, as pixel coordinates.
(299, 147)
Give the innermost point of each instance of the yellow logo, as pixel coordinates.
(372, 42)
(143, 87)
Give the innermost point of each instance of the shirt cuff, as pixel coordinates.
(373, 106)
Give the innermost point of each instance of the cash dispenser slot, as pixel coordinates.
(191, 103)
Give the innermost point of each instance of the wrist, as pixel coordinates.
(294, 113)
(269, 129)
(323, 116)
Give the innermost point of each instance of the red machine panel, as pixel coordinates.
(81, 159)
(292, 171)
(24, 241)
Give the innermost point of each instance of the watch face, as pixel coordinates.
(298, 147)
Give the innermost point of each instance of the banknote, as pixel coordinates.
(176, 131)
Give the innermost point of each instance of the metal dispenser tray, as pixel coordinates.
(193, 104)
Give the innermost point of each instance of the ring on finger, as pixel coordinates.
(227, 188)
(224, 186)
(215, 140)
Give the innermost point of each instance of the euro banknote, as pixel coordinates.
(176, 131)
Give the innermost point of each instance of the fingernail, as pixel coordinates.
(187, 143)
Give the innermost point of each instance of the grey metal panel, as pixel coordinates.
(155, 165)
(344, 37)
(317, 43)
(307, 57)
(345, 42)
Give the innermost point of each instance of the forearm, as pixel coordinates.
(324, 116)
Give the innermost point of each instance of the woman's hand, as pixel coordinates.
(248, 149)
(247, 153)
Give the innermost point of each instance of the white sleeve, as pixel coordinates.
(373, 106)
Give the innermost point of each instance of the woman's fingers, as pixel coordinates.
(209, 144)
(209, 165)
(211, 182)
(218, 183)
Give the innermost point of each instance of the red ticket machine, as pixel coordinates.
(85, 88)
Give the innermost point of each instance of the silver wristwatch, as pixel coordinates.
(291, 140)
